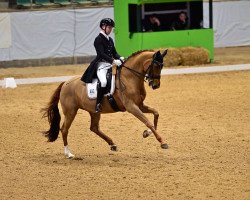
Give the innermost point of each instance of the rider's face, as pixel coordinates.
(108, 29)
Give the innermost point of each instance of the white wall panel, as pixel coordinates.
(66, 33)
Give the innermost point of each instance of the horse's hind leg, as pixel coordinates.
(94, 126)
(69, 117)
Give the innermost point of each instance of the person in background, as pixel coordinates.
(152, 24)
(181, 23)
(106, 56)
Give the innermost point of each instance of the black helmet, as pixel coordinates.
(107, 22)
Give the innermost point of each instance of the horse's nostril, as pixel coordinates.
(155, 86)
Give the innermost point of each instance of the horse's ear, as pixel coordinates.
(164, 53)
(158, 54)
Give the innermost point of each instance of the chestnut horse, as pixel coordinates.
(129, 95)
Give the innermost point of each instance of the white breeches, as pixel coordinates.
(102, 72)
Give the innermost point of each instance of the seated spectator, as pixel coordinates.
(152, 23)
(181, 23)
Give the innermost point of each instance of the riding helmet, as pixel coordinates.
(107, 22)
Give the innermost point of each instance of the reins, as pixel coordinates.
(138, 74)
(147, 75)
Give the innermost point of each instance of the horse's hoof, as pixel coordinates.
(113, 147)
(146, 133)
(70, 156)
(164, 146)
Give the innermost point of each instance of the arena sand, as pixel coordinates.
(204, 118)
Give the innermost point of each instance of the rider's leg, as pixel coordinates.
(101, 74)
(100, 94)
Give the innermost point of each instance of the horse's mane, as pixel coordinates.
(138, 52)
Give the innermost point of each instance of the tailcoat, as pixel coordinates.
(106, 52)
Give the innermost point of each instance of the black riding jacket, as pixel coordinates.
(106, 52)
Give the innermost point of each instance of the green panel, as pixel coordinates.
(166, 39)
(122, 30)
(127, 43)
(203, 38)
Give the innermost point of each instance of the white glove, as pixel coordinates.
(117, 62)
(122, 58)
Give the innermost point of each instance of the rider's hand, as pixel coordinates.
(117, 62)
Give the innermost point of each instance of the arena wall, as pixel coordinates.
(231, 23)
(54, 37)
(32, 35)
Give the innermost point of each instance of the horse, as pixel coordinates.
(142, 66)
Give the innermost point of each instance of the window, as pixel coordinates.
(167, 13)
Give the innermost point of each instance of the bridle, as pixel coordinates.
(149, 75)
(150, 71)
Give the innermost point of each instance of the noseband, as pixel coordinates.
(150, 73)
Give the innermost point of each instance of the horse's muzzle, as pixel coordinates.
(155, 87)
(155, 84)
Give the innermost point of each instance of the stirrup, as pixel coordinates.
(98, 108)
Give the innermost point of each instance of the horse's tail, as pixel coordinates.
(51, 112)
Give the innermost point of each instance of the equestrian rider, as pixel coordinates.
(106, 56)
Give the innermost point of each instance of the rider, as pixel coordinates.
(106, 56)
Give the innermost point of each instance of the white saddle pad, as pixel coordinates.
(92, 88)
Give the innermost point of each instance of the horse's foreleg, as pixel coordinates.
(133, 109)
(94, 126)
(69, 117)
(147, 109)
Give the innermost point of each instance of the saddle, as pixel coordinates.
(108, 91)
(92, 87)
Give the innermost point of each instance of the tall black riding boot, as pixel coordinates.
(100, 93)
